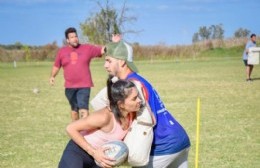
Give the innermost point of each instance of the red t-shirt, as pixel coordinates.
(75, 63)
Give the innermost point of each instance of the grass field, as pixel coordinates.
(32, 126)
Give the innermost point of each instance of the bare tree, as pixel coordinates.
(208, 33)
(241, 33)
(195, 38)
(204, 32)
(100, 26)
(217, 31)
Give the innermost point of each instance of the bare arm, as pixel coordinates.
(103, 50)
(54, 72)
(116, 37)
(95, 121)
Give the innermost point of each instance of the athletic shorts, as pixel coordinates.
(245, 62)
(75, 157)
(78, 98)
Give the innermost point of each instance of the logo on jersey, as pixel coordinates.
(73, 57)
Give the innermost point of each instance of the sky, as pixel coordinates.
(169, 22)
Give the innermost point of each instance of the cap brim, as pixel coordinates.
(132, 66)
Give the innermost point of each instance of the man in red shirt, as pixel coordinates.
(75, 59)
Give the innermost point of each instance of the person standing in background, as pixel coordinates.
(249, 68)
(75, 59)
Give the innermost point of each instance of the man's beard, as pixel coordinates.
(74, 45)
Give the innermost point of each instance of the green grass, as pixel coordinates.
(32, 126)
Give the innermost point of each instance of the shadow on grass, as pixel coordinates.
(255, 78)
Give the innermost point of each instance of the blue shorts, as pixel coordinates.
(75, 157)
(78, 98)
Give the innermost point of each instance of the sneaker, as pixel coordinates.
(249, 80)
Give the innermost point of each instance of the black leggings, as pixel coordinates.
(75, 157)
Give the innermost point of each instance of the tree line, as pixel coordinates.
(21, 52)
(216, 32)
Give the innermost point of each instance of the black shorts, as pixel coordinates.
(245, 62)
(75, 157)
(78, 98)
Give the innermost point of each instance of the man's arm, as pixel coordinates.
(100, 100)
(54, 72)
(103, 50)
(116, 38)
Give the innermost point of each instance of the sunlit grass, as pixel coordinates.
(32, 126)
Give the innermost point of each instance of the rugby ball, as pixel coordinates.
(117, 150)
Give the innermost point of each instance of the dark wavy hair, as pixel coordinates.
(118, 92)
(253, 35)
(70, 30)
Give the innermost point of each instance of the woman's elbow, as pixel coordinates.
(69, 129)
